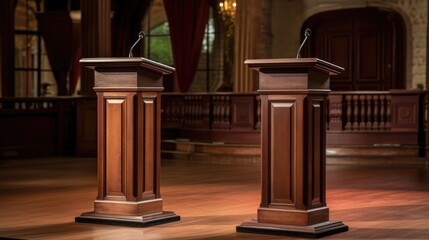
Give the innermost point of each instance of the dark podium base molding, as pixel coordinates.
(312, 231)
(131, 221)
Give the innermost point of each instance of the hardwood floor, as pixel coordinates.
(39, 199)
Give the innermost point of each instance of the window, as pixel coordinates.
(157, 39)
(31, 61)
(209, 74)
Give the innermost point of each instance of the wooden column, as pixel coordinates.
(128, 123)
(7, 46)
(426, 98)
(246, 34)
(95, 37)
(293, 141)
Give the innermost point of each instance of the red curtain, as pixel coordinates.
(75, 67)
(187, 20)
(61, 36)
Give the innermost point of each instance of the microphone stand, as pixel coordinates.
(141, 36)
(306, 35)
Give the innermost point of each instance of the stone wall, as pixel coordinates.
(289, 15)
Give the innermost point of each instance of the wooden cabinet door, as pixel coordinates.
(367, 42)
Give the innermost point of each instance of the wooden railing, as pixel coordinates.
(215, 111)
(395, 117)
(355, 111)
(37, 126)
(216, 117)
(347, 111)
(43, 126)
(364, 117)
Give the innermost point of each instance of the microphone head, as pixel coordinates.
(307, 32)
(141, 34)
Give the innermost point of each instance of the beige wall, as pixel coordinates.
(289, 15)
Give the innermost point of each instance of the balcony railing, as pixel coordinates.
(362, 117)
(37, 126)
(359, 111)
(67, 125)
(347, 111)
(217, 111)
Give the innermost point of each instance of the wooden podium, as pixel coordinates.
(128, 158)
(293, 148)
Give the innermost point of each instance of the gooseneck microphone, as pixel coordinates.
(141, 36)
(306, 35)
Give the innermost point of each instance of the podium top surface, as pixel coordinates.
(258, 64)
(122, 62)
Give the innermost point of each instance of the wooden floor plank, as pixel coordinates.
(39, 199)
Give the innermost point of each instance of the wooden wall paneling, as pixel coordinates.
(243, 109)
(408, 115)
(65, 134)
(405, 112)
(49, 120)
(86, 127)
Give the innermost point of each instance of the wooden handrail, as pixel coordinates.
(347, 111)
(361, 117)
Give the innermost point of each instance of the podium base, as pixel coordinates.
(312, 231)
(131, 221)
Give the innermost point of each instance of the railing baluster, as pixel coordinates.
(199, 109)
(188, 107)
(376, 112)
(227, 115)
(362, 122)
(214, 120)
(219, 112)
(369, 111)
(215, 111)
(181, 112)
(189, 110)
(382, 112)
(206, 111)
(348, 125)
(222, 111)
(173, 111)
(388, 113)
(355, 124)
(193, 110)
(185, 108)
